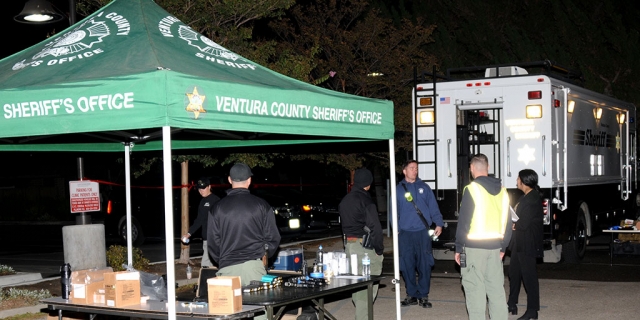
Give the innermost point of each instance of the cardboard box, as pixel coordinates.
(225, 295)
(86, 283)
(122, 288)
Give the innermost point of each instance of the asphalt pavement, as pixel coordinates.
(591, 289)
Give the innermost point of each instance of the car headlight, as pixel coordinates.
(294, 223)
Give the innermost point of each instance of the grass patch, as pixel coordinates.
(6, 270)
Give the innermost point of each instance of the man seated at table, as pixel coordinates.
(239, 227)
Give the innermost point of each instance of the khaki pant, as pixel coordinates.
(359, 298)
(247, 271)
(483, 279)
(206, 262)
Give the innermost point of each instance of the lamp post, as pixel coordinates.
(42, 12)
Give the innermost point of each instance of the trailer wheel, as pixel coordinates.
(137, 237)
(575, 249)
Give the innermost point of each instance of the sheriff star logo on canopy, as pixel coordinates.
(195, 103)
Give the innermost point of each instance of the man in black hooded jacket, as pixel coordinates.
(358, 210)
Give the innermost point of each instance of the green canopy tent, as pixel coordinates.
(133, 77)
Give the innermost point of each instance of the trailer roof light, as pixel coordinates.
(556, 103)
(540, 79)
(534, 95)
(469, 84)
(419, 88)
(534, 111)
(597, 113)
(487, 83)
(478, 84)
(620, 117)
(426, 117)
(425, 102)
(570, 106)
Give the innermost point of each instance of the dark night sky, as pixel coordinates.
(18, 36)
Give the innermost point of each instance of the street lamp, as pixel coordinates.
(42, 11)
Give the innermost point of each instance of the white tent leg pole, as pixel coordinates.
(168, 220)
(394, 226)
(127, 190)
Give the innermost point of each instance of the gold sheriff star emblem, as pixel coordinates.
(195, 103)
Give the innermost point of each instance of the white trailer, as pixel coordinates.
(581, 143)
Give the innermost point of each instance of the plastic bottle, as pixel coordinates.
(188, 271)
(366, 265)
(319, 258)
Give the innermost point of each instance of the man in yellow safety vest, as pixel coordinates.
(483, 233)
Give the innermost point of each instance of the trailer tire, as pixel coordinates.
(575, 249)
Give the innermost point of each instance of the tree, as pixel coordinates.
(350, 47)
(599, 38)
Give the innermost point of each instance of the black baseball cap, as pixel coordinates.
(203, 182)
(240, 172)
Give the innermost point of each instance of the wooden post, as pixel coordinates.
(184, 210)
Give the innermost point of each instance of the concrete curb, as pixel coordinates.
(19, 279)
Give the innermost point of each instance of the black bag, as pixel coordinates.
(367, 241)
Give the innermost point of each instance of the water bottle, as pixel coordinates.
(65, 280)
(319, 258)
(188, 271)
(366, 265)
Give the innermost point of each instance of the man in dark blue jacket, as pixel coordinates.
(416, 198)
(358, 210)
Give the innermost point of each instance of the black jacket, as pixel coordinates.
(206, 206)
(527, 236)
(357, 209)
(467, 207)
(239, 229)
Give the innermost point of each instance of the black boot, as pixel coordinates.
(513, 309)
(529, 315)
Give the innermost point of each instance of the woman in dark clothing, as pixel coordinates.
(526, 245)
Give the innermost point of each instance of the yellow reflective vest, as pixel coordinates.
(490, 215)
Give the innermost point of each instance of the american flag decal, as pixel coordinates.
(445, 100)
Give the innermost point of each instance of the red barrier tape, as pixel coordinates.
(213, 185)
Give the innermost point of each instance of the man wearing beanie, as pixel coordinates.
(417, 211)
(241, 227)
(358, 210)
(206, 205)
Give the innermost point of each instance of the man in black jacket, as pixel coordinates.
(240, 228)
(358, 210)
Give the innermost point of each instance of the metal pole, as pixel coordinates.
(82, 218)
(72, 12)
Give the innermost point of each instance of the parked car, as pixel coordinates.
(316, 209)
(287, 207)
(147, 213)
(321, 214)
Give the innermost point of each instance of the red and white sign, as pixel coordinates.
(85, 196)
